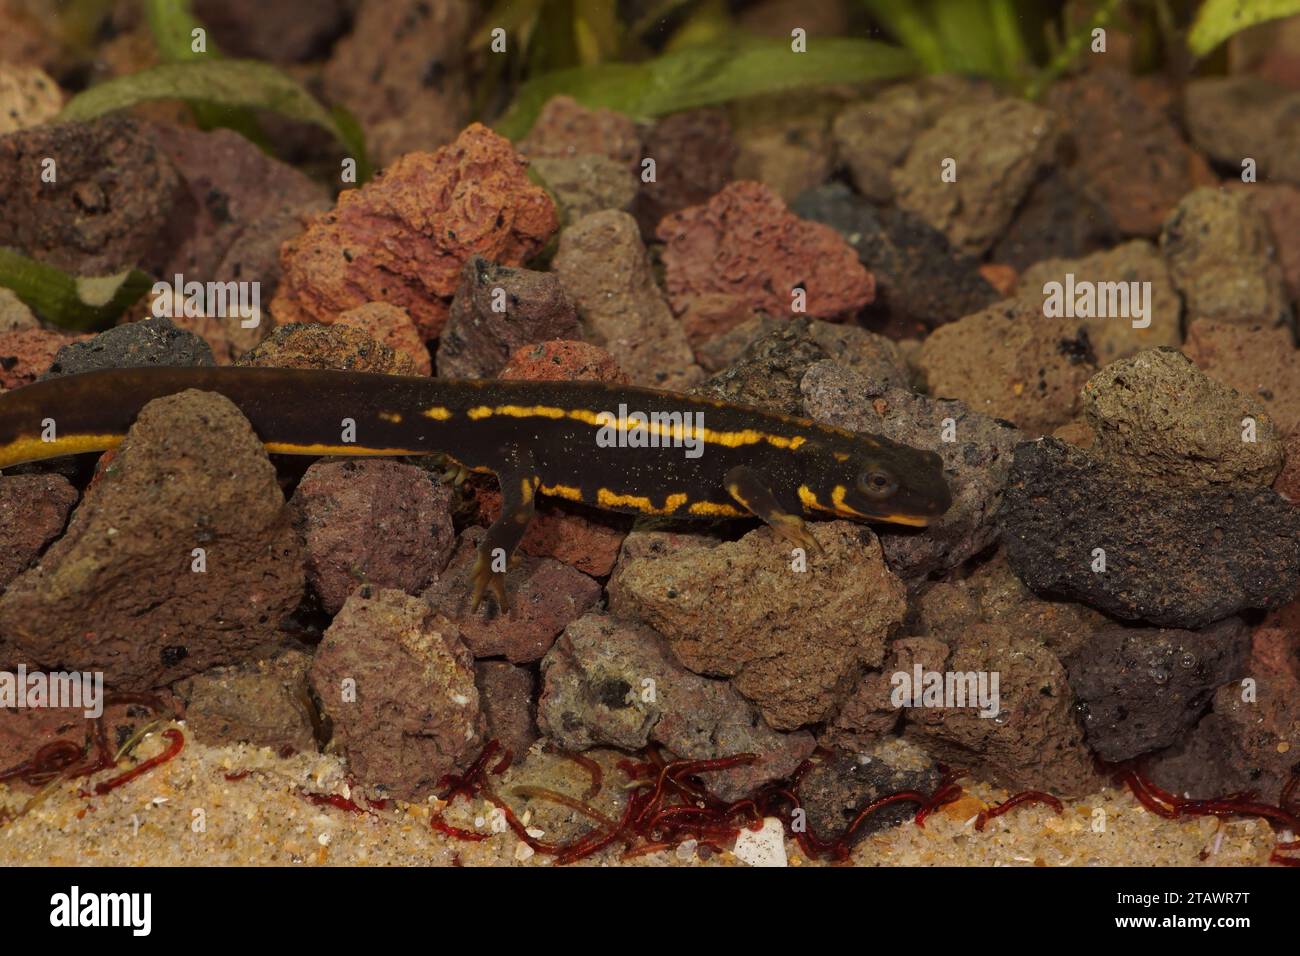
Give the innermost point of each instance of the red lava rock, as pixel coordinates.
(33, 510)
(497, 310)
(615, 683)
(607, 273)
(562, 361)
(544, 596)
(121, 591)
(1255, 360)
(285, 32)
(744, 252)
(1128, 155)
(792, 641)
(397, 682)
(404, 237)
(390, 326)
(339, 346)
(694, 154)
(264, 703)
(507, 694)
(566, 128)
(400, 73)
(1280, 204)
(374, 522)
(1001, 276)
(118, 201)
(26, 354)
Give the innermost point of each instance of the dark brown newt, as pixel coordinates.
(614, 447)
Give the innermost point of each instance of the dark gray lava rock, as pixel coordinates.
(397, 683)
(1158, 415)
(768, 372)
(920, 279)
(544, 596)
(497, 309)
(264, 703)
(694, 154)
(374, 522)
(1233, 118)
(507, 695)
(610, 682)
(33, 510)
(835, 790)
(147, 342)
(122, 591)
(1057, 220)
(976, 460)
(1181, 559)
(117, 201)
(1140, 689)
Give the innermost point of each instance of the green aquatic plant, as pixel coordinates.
(75, 303)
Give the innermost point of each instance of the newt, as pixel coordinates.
(617, 448)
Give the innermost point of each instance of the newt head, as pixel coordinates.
(870, 478)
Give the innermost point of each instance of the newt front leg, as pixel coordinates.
(750, 491)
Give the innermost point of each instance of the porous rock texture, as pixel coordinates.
(791, 641)
(124, 592)
(397, 683)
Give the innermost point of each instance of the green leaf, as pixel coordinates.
(707, 75)
(1217, 20)
(77, 303)
(232, 84)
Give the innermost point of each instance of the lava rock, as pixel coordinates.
(33, 511)
(784, 141)
(743, 251)
(1177, 560)
(588, 183)
(767, 374)
(791, 642)
(1288, 480)
(28, 97)
(390, 326)
(1035, 741)
(835, 790)
(563, 361)
(1126, 154)
(507, 694)
(1233, 118)
(919, 278)
(1140, 689)
(1220, 252)
(544, 596)
(118, 201)
(694, 155)
(1158, 415)
(1011, 362)
(1056, 220)
(976, 461)
(289, 32)
(612, 682)
(497, 310)
(397, 683)
(999, 148)
(1280, 205)
(121, 592)
(27, 353)
(1259, 361)
(341, 347)
(607, 273)
(587, 542)
(869, 714)
(374, 522)
(144, 343)
(1114, 336)
(404, 237)
(565, 129)
(264, 703)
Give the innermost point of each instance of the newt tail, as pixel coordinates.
(618, 448)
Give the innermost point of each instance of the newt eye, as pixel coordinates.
(878, 484)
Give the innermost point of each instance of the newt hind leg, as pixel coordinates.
(751, 492)
(518, 505)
